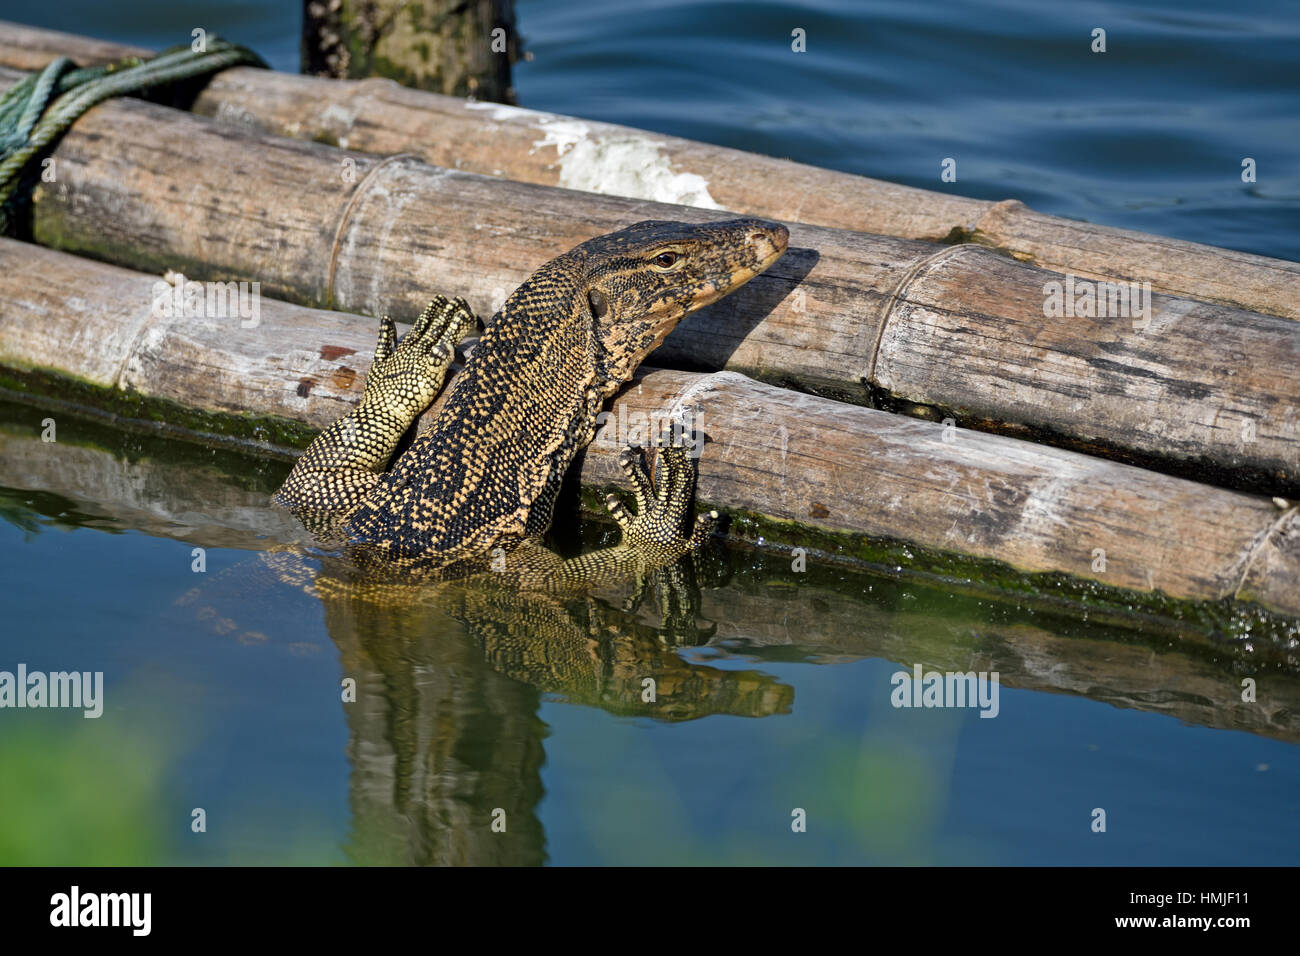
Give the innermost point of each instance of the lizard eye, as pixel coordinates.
(666, 260)
(599, 304)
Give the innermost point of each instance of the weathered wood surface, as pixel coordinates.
(786, 455)
(957, 327)
(1190, 382)
(378, 116)
(844, 468)
(97, 324)
(205, 507)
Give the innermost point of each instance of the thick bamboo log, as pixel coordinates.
(378, 116)
(957, 330)
(807, 460)
(793, 458)
(191, 501)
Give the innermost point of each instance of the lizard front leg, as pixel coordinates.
(345, 461)
(661, 531)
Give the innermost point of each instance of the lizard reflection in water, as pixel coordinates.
(444, 720)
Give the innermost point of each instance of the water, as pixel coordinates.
(228, 701)
(223, 694)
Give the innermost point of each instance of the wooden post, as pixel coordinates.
(445, 46)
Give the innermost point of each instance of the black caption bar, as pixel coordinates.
(118, 906)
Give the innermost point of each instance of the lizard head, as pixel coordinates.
(637, 284)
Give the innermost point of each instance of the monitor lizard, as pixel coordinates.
(477, 489)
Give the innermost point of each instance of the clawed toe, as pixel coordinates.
(705, 525)
(438, 357)
(618, 512)
(387, 339)
(665, 500)
(632, 462)
(443, 320)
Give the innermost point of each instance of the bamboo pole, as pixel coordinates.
(957, 331)
(798, 460)
(378, 116)
(191, 501)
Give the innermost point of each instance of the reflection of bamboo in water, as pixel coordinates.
(1033, 653)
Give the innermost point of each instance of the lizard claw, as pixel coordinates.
(632, 462)
(705, 525)
(407, 375)
(663, 503)
(387, 339)
(443, 320)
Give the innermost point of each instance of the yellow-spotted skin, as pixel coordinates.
(482, 481)
(347, 459)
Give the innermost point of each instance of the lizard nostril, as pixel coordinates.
(772, 239)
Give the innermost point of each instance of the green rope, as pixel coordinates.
(29, 122)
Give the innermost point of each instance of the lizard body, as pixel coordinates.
(485, 476)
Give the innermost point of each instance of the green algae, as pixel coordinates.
(260, 434)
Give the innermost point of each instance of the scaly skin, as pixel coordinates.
(481, 483)
(348, 458)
